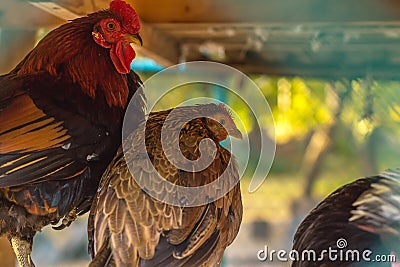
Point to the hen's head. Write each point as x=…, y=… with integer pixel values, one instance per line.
x=117, y=32
x=220, y=122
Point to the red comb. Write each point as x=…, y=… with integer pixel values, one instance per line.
x=128, y=15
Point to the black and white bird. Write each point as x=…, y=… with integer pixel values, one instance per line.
x=359, y=217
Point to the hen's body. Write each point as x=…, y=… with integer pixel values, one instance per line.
x=365, y=213
x=128, y=227
x=61, y=113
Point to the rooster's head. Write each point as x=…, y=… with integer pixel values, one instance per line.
x=93, y=51
x=117, y=32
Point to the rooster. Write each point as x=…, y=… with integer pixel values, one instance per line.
x=61, y=113
x=363, y=215
x=128, y=227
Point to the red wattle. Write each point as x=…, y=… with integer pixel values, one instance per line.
x=122, y=55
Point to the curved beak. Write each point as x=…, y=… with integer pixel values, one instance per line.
x=235, y=133
x=133, y=38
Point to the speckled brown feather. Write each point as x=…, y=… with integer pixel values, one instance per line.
x=153, y=233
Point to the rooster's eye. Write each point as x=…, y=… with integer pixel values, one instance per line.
x=111, y=26
x=222, y=122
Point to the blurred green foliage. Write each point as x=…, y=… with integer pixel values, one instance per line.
x=365, y=115
x=364, y=112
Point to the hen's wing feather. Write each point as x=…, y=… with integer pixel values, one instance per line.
x=130, y=217
x=155, y=232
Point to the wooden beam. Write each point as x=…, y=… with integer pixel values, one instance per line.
x=158, y=46
x=378, y=72
x=36, y=14
x=56, y=10
x=269, y=11
x=171, y=25
x=234, y=29
x=82, y=7
x=22, y=15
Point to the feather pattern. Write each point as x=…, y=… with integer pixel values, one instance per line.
x=366, y=213
x=157, y=233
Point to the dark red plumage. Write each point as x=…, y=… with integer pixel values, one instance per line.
x=61, y=113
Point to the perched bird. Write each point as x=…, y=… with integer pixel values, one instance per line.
x=357, y=218
x=61, y=113
x=128, y=227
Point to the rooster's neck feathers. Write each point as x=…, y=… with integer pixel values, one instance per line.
x=69, y=51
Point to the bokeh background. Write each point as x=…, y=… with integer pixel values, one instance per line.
x=329, y=70
x=327, y=134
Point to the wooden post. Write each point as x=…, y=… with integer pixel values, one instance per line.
x=14, y=45
x=6, y=253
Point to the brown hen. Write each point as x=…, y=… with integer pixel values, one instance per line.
x=129, y=227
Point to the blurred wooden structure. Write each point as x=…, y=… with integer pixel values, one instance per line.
x=329, y=39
